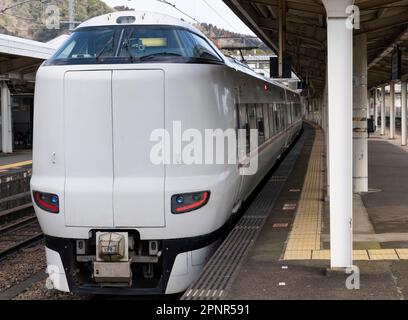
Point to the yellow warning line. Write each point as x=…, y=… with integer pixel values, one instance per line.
x=305, y=234
x=372, y=255
x=16, y=165
x=304, y=239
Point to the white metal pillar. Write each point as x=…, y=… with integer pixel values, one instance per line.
x=403, y=113
x=392, y=110
x=361, y=110
x=376, y=108
x=340, y=90
x=383, y=119
x=326, y=102
x=6, y=126
x=71, y=15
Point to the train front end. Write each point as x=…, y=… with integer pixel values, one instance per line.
x=116, y=220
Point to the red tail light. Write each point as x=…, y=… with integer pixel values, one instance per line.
x=187, y=202
x=47, y=201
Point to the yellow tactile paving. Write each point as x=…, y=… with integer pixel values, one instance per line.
x=321, y=255
x=298, y=255
x=402, y=253
x=325, y=255
x=16, y=165
x=383, y=254
x=360, y=255
x=305, y=234
x=304, y=239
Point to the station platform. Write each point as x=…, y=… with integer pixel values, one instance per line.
x=10, y=163
x=289, y=254
x=15, y=175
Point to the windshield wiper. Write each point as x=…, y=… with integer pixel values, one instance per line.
x=153, y=55
x=125, y=45
x=110, y=42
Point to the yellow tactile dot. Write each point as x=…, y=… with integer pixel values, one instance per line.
x=383, y=254
x=402, y=253
x=297, y=255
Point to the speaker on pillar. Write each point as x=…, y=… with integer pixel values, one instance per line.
x=287, y=68
x=274, y=66
x=396, y=64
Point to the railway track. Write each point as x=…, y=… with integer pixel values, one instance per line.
x=20, y=233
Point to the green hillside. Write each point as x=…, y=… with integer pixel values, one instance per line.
x=27, y=20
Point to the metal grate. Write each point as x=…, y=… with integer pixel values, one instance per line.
x=218, y=275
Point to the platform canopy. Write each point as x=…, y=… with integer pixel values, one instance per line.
x=19, y=60
x=384, y=21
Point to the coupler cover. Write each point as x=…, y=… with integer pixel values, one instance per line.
x=112, y=247
x=112, y=263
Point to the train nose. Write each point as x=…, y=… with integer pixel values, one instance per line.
x=110, y=180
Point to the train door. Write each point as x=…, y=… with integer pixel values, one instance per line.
x=138, y=110
x=88, y=148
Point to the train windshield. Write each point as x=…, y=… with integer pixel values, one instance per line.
x=135, y=44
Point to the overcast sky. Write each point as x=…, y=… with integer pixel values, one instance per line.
x=215, y=12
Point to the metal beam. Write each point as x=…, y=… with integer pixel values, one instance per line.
x=388, y=51
x=384, y=23
x=373, y=4
x=282, y=35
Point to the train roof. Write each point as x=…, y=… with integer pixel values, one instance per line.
x=141, y=18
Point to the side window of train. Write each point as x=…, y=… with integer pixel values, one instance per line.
x=290, y=112
x=280, y=117
x=276, y=116
x=271, y=120
x=260, y=123
x=252, y=116
x=284, y=116
x=266, y=121
x=251, y=110
x=243, y=123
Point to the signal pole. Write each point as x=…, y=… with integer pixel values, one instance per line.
x=71, y=15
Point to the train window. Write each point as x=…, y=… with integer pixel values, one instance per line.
x=88, y=44
x=252, y=116
x=272, y=127
x=199, y=48
x=136, y=44
x=266, y=121
x=276, y=108
x=243, y=123
x=251, y=110
x=290, y=107
x=260, y=124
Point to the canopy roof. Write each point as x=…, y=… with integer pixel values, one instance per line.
x=384, y=21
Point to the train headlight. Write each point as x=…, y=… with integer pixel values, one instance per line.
x=46, y=201
x=187, y=202
x=180, y=200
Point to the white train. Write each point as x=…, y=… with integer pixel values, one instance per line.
x=115, y=222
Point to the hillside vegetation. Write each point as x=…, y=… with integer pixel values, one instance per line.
x=27, y=20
